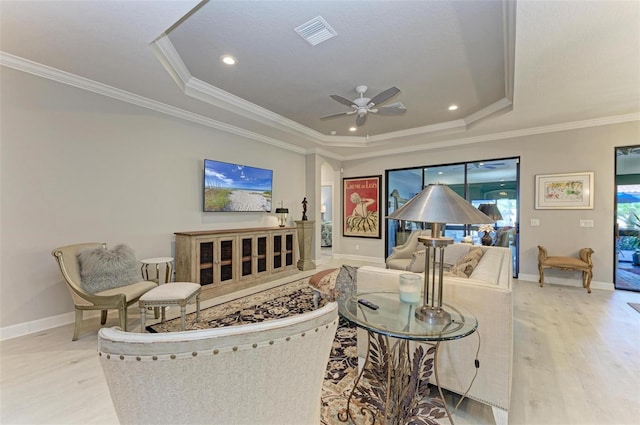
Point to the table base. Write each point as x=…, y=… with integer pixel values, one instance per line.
x=399, y=383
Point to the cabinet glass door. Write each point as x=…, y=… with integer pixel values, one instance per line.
x=206, y=263
x=246, y=256
x=288, y=250
x=261, y=254
x=226, y=260
x=277, y=252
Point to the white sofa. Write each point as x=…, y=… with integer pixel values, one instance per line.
x=487, y=293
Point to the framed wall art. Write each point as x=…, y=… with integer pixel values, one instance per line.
x=570, y=191
x=361, y=203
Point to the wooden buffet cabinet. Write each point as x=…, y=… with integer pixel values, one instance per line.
x=224, y=261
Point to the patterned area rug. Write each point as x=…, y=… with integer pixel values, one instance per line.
x=282, y=301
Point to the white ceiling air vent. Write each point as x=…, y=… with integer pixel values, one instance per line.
x=316, y=31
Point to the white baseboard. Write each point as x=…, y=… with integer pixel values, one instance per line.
x=605, y=286
x=375, y=260
x=26, y=328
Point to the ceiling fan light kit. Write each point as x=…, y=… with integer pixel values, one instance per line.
x=362, y=106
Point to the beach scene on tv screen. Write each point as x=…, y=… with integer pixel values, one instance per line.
x=234, y=187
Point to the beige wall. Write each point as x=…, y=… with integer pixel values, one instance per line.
x=80, y=167
x=588, y=149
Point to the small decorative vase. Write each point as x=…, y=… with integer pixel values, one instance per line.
x=486, y=240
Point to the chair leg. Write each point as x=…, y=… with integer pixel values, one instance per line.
x=143, y=314
x=103, y=317
x=123, y=317
x=541, y=272
x=78, y=323
x=589, y=277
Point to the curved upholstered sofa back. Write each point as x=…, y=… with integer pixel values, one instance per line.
x=269, y=373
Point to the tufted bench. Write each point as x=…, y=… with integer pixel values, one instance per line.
x=581, y=263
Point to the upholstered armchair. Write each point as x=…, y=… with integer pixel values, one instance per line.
x=261, y=373
x=410, y=255
x=117, y=298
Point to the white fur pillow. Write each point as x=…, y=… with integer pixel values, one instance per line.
x=102, y=269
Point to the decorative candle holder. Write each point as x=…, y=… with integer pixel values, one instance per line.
x=409, y=286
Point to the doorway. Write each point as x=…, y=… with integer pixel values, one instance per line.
x=326, y=219
x=627, y=224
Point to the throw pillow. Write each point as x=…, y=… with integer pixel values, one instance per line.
x=327, y=285
x=332, y=283
x=473, y=254
x=346, y=281
x=102, y=269
x=316, y=279
x=464, y=269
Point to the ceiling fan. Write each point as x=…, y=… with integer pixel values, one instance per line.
x=364, y=105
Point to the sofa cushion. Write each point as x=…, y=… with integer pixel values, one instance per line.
x=102, y=269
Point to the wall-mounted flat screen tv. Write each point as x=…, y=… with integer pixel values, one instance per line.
x=235, y=187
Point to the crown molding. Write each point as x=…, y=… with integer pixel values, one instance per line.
x=170, y=58
x=63, y=77
x=205, y=92
x=574, y=125
x=44, y=71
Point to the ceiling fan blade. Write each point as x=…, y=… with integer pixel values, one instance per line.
x=337, y=115
x=392, y=109
x=361, y=119
x=343, y=100
x=385, y=95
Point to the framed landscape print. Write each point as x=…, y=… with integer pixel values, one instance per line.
x=361, y=203
x=571, y=191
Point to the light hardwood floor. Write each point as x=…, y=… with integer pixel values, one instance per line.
x=576, y=361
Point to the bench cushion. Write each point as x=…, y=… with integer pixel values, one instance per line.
x=175, y=291
x=568, y=262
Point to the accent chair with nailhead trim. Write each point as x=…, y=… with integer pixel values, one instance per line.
x=268, y=373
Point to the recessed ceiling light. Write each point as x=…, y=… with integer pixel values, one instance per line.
x=352, y=129
x=228, y=59
x=453, y=107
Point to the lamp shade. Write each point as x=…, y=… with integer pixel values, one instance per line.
x=491, y=210
x=438, y=203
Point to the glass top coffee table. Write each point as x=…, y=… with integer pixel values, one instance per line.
x=394, y=370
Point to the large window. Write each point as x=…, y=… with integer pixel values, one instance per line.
x=481, y=182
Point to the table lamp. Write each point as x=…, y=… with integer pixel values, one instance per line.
x=282, y=215
x=491, y=211
x=437, y=204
